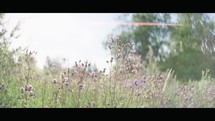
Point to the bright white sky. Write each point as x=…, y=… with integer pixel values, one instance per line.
x=73, y=36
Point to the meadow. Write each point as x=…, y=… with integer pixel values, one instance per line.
x=130, y=83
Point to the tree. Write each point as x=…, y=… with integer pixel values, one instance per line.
x=186, y=56
x=143, y=36
x=187, y=49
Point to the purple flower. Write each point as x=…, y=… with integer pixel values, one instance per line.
x=28, y=87
x=135, y=83
x=22, y=89
x=31, y=93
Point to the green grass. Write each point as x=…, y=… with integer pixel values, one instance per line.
x=129, y=84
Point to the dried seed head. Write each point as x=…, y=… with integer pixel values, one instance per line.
x=109, y=47
x=54, y=81
x=22, y=89
x=62, y=75
x=93, y=74
x=111, y=60
x=104, y=70
x=112, y=39
x=89, y=64
x=31, y=93
x=107, y=61
x=82, y=64
x=81, y=86
x=67, y=83
x=1, y=85
x=76, y=64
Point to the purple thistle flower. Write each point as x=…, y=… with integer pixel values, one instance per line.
x=135, y=83
x=31, y=93
x=22, y=89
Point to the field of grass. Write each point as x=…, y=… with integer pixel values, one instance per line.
x=130, y=83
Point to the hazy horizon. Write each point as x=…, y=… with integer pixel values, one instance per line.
x=74, y=36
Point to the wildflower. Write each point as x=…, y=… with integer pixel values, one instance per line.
x=31, y=93
x=22, y=89
x=135, y=83
x=212, y=93
x=28, y=87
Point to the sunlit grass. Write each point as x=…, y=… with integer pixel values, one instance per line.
x=129, y=84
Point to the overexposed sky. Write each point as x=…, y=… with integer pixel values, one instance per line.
x=73, y=36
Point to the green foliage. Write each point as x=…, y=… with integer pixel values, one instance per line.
x=186, y=56
x=187, y=49
x=143, y=36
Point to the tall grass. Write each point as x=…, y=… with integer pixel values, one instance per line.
x=130, y=83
